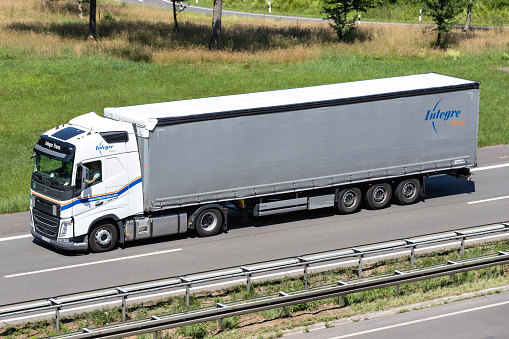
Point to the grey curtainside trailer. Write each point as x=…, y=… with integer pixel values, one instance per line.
x=305, y=145
x=159, y=169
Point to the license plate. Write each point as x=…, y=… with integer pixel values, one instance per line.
x=45, y=239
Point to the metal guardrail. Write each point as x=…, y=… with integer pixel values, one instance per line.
x=283, y=299
x=56, y=304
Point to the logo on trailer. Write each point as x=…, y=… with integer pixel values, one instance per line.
x=102, y=147
x=438, y=116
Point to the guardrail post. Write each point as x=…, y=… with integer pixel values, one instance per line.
x=124, y=302
x=464, y=236
x=283, y=294
x=462, y=247
x=188, y=286
x=396, y=272
x=248, y=276
x=449, y=262
x=306, y=265
x=412, y=252
x=154, y=334
x=502, y=253
x=220, y=320
x=340, y=297
x=187, y=296
x=361, y=255
x=57, y=313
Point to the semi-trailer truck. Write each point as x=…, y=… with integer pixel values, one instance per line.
x=165, y=168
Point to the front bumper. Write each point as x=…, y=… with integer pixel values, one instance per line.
x=68, y=246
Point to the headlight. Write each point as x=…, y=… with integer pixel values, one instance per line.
x=65, y=229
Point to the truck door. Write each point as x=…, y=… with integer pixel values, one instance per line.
x=116, y=185
x=90, y=203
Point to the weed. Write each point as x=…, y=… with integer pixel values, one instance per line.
x=230, y=323
x=195, y=331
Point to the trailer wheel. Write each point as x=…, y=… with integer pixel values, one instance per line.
x=208, y=222
x=349, y=200
x=379, y=196
x=407, y=191
x=103, y=237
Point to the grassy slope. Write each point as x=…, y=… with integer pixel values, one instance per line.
x=48, y=78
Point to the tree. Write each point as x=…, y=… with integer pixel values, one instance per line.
x=442, y=12
x=215, y=39
x=178, y=6
x=469, y=12
x=80, y=9
x=92, y=35
x=337, y=13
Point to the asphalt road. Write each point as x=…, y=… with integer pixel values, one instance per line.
x=484, y=317
x=29, y=270
x=195, y=8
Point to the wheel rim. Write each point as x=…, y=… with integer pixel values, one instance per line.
x=409, y=190
x=349, y=199
x=379, y=194
x=103, y=237
x=208, y=221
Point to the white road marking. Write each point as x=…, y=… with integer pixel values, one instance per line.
x=488, y=200
x=476, y=169
x=420, y=320
x=92, y=263
x=16, y=237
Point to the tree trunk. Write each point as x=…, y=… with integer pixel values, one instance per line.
x=92, y=26
x=439, y=39
x=80, y=9
x=469, y=12
x=175, y=16
x=215, y=39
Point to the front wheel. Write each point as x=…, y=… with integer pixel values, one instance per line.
x=209, y=222
x=407, y=191
x=103, y=237
x=379, y=196
x=349, y=200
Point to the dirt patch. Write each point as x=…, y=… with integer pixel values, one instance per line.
x=503, y=69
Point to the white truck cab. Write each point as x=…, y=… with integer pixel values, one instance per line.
x=86, y=177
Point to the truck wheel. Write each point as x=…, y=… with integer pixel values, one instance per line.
x=349, y=200
x=208, y=222
x=407, y=191
x=103, y=237
x=379, y=196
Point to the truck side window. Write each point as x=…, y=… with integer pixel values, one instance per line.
x=95, y=172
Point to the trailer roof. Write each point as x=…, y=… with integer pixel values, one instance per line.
x=149, y=115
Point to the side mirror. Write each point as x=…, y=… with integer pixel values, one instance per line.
x=84, y=176
x=82, y=173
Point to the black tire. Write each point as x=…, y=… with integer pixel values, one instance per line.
x=407, y=191
x=208, y=222
x=349, y=200
x=103, y=237
x=378, y=196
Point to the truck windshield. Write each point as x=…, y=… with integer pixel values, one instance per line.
x=54, y=170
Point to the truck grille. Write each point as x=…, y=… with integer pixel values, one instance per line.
x=46, y=224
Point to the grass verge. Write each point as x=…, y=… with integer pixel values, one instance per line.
x=272, y=323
